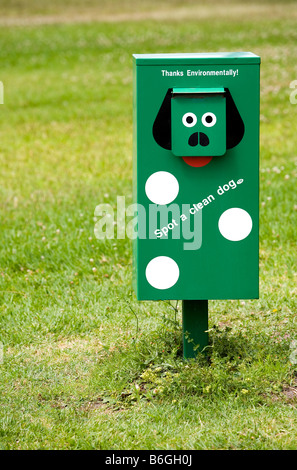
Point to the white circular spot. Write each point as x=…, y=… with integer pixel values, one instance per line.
x=161, y=187
x=209, y=119
x=235, y=224
x=189, y=119
x=162, y=272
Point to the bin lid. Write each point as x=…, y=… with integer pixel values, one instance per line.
x=201, y=58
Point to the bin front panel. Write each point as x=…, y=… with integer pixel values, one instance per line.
x=196, y=186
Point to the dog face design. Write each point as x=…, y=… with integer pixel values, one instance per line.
x=198, y=122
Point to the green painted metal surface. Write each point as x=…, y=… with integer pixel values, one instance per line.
x=179, y=91
x=195, y=326
x=198, y=208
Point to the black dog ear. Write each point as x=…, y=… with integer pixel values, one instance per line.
x=162, y=124
x=234, y=123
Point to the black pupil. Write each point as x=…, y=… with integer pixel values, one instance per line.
x=189, y=119
x=208, y=119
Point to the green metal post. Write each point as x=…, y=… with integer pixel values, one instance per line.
x=195, y=326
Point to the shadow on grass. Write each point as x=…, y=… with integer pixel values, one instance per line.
x=241, y=366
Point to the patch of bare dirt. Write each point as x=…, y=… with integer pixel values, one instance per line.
x=199, y=12
x=290, y=393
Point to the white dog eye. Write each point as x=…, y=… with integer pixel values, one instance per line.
x=208, y=119
x=189, y=119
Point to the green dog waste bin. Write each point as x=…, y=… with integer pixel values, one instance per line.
x=195, y=176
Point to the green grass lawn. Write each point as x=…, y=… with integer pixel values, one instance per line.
x=85, y=366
